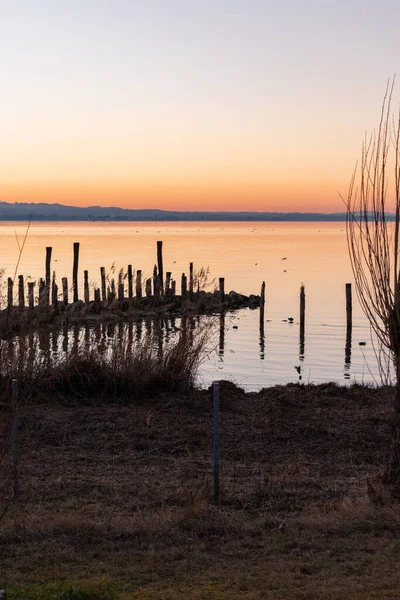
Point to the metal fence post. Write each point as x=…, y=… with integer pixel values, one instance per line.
x=14, y=438
x=216, y=439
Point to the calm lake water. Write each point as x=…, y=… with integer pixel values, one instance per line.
x=284, y=255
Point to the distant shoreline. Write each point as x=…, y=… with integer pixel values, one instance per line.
x=61, y=212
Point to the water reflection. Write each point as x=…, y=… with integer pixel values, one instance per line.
x=242, y=355
x=221, y=344
x=347, y=353
x=302, y=342
x=262, y=341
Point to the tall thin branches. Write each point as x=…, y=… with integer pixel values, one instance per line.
x=373, y=229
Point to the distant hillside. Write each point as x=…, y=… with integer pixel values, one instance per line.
x=60, y=212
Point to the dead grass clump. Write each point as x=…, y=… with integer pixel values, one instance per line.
x=123, y=369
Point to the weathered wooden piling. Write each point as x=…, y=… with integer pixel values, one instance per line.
x=86, y=286
x=10, y=286
x=75, y=272
x=97, y=296
x=54, y=291
x=49, y=250
x=173, y=287
x=262, y=304
x=160, y=264
x=139, y=284
x=31, y=295
x=103, y=284
x=42, y=295
x=54, y=295
x=148, y=288
x=183, y=286
x=155, y=274
x=157, y=289
x=349, y=306
x=130, y=283
x=302, y=309
x=121, y=292
x=222, y=288
x=191, y=282
x=167, y=282
x=21, y=294
x=65, y=290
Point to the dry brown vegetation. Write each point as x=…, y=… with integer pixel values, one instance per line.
x=118, y=494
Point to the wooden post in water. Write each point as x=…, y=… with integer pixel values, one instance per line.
x=103, y=284
x=42, y=295
x=49, y=250
x=173, y=288
x=154, y=279
x=75, y=272
x=215, y=388
x=97, y=297
x=21, y=295
x=121, y=292
x=157, y=289
x=65, y=290
x=31, y=295
x=184, y=286
x=302, y=310
x=54, y=299
x=349, y=306
x=139, y=284
x=86, y=286
x=160, y=264
x=191, y=282
x=262, y=305
x=10, y=285
x=54, y=290
x=148, y=288
x=222, y=288
x=130, y=283
x=167, y=282
x=14, y=438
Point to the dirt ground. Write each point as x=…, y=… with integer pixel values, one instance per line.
x=116, y=498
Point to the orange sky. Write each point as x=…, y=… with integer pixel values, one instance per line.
x=188, y=105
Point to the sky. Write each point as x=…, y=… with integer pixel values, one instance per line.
x=191, y=104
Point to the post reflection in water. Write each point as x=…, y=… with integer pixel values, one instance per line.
x=54, y=342
x=130, y=338
x=87, y=337
x=76, y=338
x=32, y=348
x=139, y=331
x=65, y=339
x=221, y=346
x=262, y=341
x=347, y=353
x=301, y=344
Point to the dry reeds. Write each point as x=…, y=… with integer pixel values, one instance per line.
x=123, y=369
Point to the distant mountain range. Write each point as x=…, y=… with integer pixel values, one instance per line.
x=21, y=211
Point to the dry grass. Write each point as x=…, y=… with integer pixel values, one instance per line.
x=122, y=492
x=124, y=368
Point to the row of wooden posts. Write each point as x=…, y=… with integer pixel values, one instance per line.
x=349, y=307
x=155, y=286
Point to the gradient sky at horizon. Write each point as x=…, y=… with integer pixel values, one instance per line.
x=189, y=104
